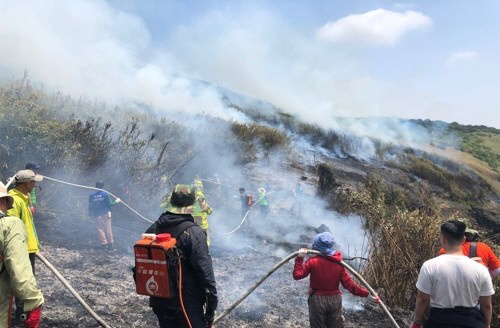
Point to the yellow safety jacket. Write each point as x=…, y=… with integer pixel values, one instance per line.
x=21, y=210
x=201, y=210
x=17, y=276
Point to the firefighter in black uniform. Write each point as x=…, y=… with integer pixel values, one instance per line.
x=199, y=292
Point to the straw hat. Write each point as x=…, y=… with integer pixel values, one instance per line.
x=3, y=193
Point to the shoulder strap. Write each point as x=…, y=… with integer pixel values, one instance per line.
x=473, y=249
x=177, y=231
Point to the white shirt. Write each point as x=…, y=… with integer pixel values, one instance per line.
x=454, y=280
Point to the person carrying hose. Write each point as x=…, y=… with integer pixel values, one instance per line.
x=16, y=275
x=325, y=298
x=100, y=203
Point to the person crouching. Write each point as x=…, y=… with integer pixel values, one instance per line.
x=325, y=298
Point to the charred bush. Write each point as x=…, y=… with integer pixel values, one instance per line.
x=327, y=182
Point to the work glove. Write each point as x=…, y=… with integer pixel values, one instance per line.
x=118, y=200
x=416, y=325
x=209, y=320
x=302, y=252
x=375, y=298
x=211, y=305
x=33, y=319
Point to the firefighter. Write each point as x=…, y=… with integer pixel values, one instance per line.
x=199, y=291
x=16, y=275
x=201, y=209
x=325, y=297
x=25, y=183
x=100, y=203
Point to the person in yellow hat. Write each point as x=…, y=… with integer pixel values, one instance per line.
x=16, y=275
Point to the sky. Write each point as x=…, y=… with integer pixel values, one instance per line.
x=321, y=59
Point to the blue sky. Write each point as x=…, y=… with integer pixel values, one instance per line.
x=317, y=59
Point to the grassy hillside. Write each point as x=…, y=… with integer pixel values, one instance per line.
x=402, y=194
x=480, y=141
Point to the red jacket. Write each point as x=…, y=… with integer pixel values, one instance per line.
x=326, y=274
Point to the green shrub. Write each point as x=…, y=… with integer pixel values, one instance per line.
x=267, y=137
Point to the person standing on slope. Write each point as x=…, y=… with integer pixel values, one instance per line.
x=100, y=203
x=325, y=297
x=16, y=275
x=453, y=284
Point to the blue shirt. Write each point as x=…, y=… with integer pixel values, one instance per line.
x=99, y=204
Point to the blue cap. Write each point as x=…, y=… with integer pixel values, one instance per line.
x=324, y=243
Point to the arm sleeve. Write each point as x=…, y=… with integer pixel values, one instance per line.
x=487, y=285
x=201, y=262
x=424, y=283
x=301, y=271
x=18, y=266
x=350, y=285
x=493, y=262
x=112, y=201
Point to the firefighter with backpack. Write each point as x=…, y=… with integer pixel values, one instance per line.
x=190, y=274
x=478, y=251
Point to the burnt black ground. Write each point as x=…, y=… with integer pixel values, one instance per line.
x=105, y=281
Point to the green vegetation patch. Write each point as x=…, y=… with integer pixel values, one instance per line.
x=268, y=137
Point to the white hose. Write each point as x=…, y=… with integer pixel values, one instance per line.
x=285, y=260
x=242, y=221
x=99, y=189
x=66, y=284
x=10, y=182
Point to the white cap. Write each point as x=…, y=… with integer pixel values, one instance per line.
x=27, y=176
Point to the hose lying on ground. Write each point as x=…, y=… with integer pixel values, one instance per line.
x=281, y=263
x=101, y=322
x=99, y=189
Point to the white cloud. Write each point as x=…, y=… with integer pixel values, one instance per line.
x=459, y=58
x=376, y=27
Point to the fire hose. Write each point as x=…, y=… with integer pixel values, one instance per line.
x=285, y=260
x=99, y=189
x=242, y=221
x=101, y=322
x=235, y=304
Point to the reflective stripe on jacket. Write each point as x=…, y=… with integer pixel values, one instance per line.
x=17, y=278
x=21, y=210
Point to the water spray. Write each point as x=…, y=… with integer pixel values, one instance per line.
x=285, y=260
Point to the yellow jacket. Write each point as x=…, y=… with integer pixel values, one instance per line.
x=17, y=277
x=21, y=210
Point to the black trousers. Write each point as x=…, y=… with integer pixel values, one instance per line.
x=174, y=318
x=458, y=317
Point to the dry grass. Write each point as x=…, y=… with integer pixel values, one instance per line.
x=482, y=168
